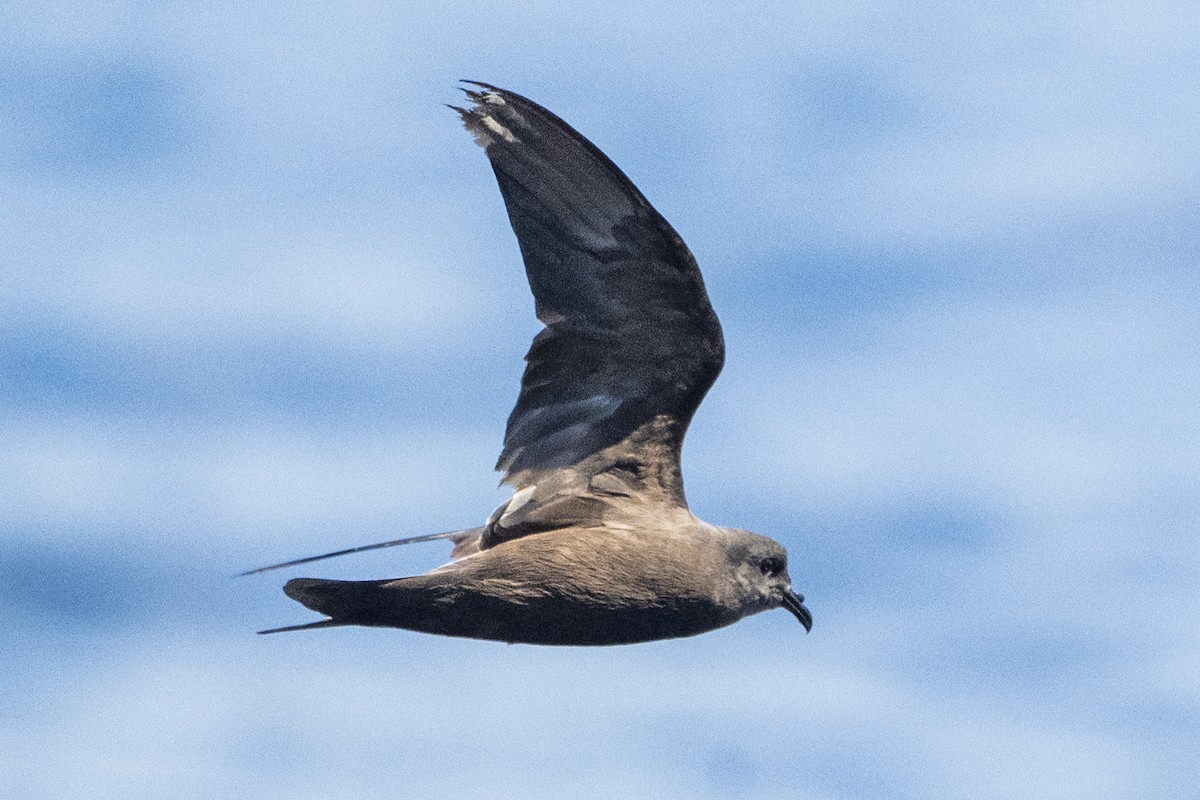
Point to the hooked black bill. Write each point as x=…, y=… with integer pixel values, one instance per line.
x=795, y=603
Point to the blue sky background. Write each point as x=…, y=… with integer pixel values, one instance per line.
x=259, y=299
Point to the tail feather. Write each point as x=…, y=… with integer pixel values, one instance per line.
x=347, y=601
x=344, y=602
x=324, y=623
x=465, y=541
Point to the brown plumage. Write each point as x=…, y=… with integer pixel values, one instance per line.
x=596, y=545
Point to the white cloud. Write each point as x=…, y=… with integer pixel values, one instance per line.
x=247, y=485
x=210, y=713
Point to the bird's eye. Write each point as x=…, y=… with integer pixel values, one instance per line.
x=771, y=566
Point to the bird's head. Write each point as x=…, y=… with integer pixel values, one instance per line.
x=760, y=575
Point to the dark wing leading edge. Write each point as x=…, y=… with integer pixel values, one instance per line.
x=631, y=343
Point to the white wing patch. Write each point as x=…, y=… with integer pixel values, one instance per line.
x=498, y=129
x=482, y=125
x=518, y=501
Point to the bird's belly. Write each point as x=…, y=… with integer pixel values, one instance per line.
x=554, y=619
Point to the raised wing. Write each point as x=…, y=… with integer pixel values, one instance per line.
x=631, y=343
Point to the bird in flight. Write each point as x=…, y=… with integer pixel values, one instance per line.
x=596, y=546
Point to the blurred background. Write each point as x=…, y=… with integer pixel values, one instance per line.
x=259, y=299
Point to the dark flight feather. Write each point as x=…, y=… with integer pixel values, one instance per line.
x=631, y=343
